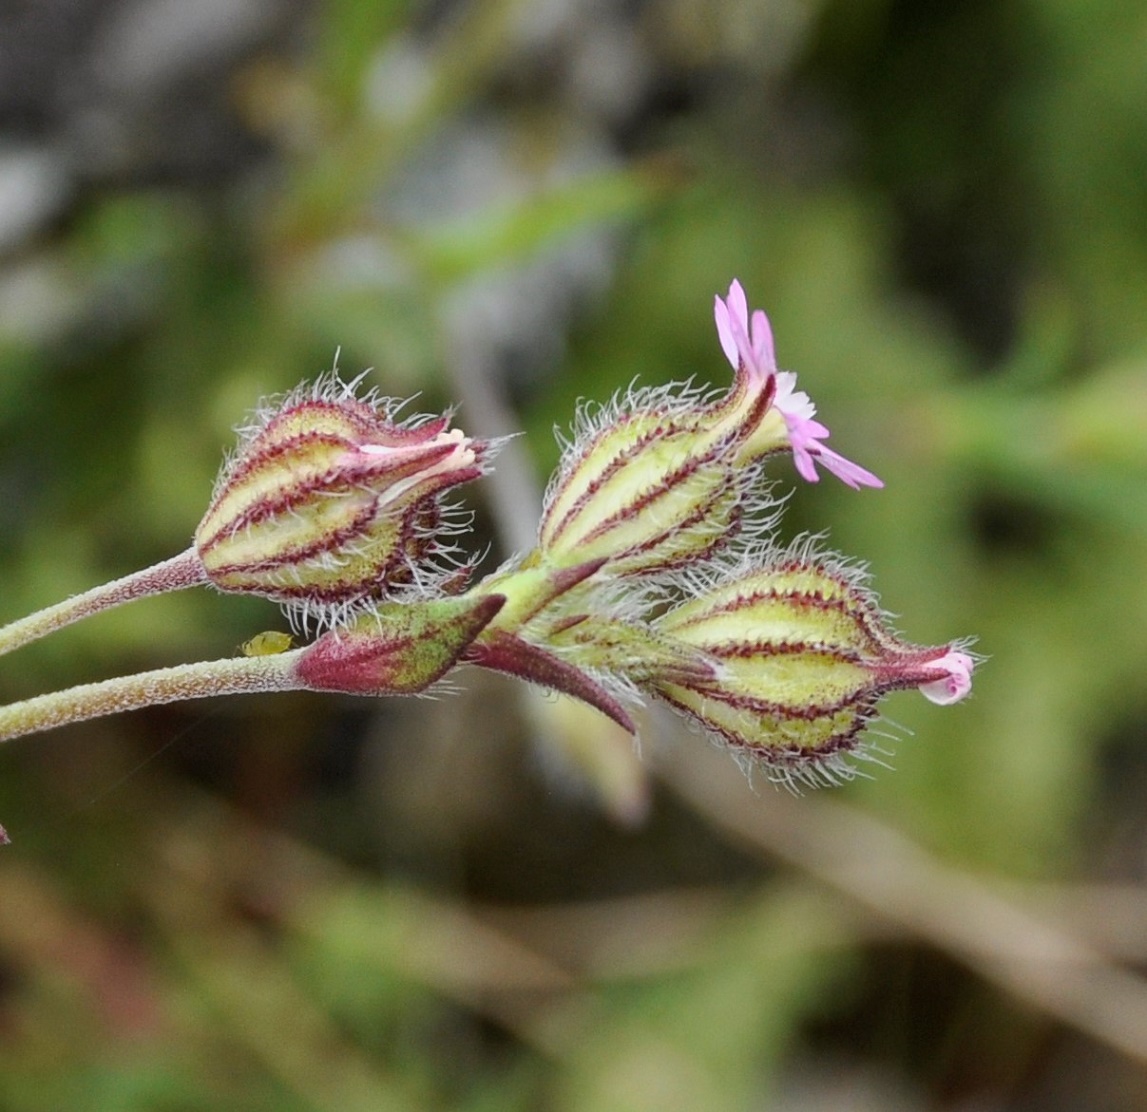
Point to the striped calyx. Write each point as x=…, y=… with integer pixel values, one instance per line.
x=329, y=501
x=651, y=482
x=802, y=656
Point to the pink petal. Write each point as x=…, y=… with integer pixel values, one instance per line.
x=955, y=685
x=804, y=464
x=725, y=332
x=747, y=344
x=847, y=471
x=738, y=304
x=738, y=329
x=762, y=340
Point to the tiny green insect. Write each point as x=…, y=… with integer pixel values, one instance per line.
x=270, y=643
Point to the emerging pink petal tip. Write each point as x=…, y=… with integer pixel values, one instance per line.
x=956, y=684
x=746, y=341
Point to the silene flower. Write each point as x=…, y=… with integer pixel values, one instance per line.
x=331, y=500
x=802, y=655
x=664, y=478
x=657, y=572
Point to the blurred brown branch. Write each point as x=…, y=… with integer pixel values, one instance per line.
x=1019, y=944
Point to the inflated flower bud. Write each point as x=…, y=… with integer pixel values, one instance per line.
x=329, y=501
x=803, y=654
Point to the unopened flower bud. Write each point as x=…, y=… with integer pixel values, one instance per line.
x=803, y=654
x=329, y=500
x=396, y=649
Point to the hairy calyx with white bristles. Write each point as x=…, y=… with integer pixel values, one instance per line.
x=330, y=502
x=656, y=572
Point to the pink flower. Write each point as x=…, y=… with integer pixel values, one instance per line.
x=748, y=345
x=955, y=685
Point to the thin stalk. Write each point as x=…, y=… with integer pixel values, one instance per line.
x=239, y=675
x=184, y=570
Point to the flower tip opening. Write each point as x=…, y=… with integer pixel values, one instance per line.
x=333, y=502
x=954, y=686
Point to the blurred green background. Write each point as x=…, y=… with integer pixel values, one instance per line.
x=483, y=902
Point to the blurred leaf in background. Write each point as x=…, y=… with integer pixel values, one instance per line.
x=301, y=902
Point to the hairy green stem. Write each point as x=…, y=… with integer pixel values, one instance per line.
x=238, y=675
x=184, y=570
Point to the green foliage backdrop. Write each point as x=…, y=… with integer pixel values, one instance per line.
x=305, y=902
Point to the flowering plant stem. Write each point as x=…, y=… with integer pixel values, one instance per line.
x=230, y=676
x=184, y=570
x=656, y=570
